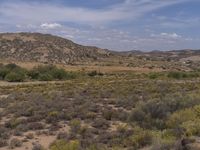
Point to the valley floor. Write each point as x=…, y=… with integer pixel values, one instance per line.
x=119, y=111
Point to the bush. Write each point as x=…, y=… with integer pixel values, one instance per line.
x=75, y=125
x=49, y=72
x=35, y=126
x=3, y=143
x=59, y=73
x=13, y=123
x=180, y=75
x=15, y=143
x=37, y=147
x=137, y=115
x=34, y=74
x=175, y=75
x=45, y=77
x=187, y=121
x=142, y=139
x=12, y=73
x=63, y=145
x=177, y=118
x=3, y=72
x=15, y=77
x=4, y=133
x=154, y=75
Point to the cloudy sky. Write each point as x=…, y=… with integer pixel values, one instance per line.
x=113, y=24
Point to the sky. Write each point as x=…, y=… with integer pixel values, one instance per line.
x=119, y=25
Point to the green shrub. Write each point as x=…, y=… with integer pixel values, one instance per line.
x=12, y=73
x=137, y=115
x=63, y=145
x=13, y=123
x=142, y=139
x=75, y=125
x=49, y=72
x=3, y=72
x=188, y=121
x=191, y=128
x=154, y=75
x=177, y=118
x=180, y=75
x=45, y=77
x=59, y=73
x=175, y=75
x=15, y=77
x=34, y=74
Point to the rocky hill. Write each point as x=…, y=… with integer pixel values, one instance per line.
x=49, y=49
x=46, y=48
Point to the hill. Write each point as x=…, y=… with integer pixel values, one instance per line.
x=46, y=48
x=30, y=49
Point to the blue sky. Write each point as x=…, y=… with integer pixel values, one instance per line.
x=113, y=24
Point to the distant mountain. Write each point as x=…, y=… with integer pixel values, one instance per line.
x=172, y=54
x=46, y=48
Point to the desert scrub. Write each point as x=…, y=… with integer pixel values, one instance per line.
x=64, y=145
x=52, y=116
x=75, y=125
x=103, y=104
x=141, y=138
x=15, y=143
x=189, y=125
x=3, y=142
x=13, y=123
x=4, y=133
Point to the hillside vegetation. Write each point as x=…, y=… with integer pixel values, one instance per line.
x=45, y=48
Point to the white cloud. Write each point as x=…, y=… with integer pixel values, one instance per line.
x=50, y=25
x=45, y=18
x=37, y=12
x=171, y=35
x=166, y=35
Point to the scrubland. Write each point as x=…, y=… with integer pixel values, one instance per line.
x=102, y=111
